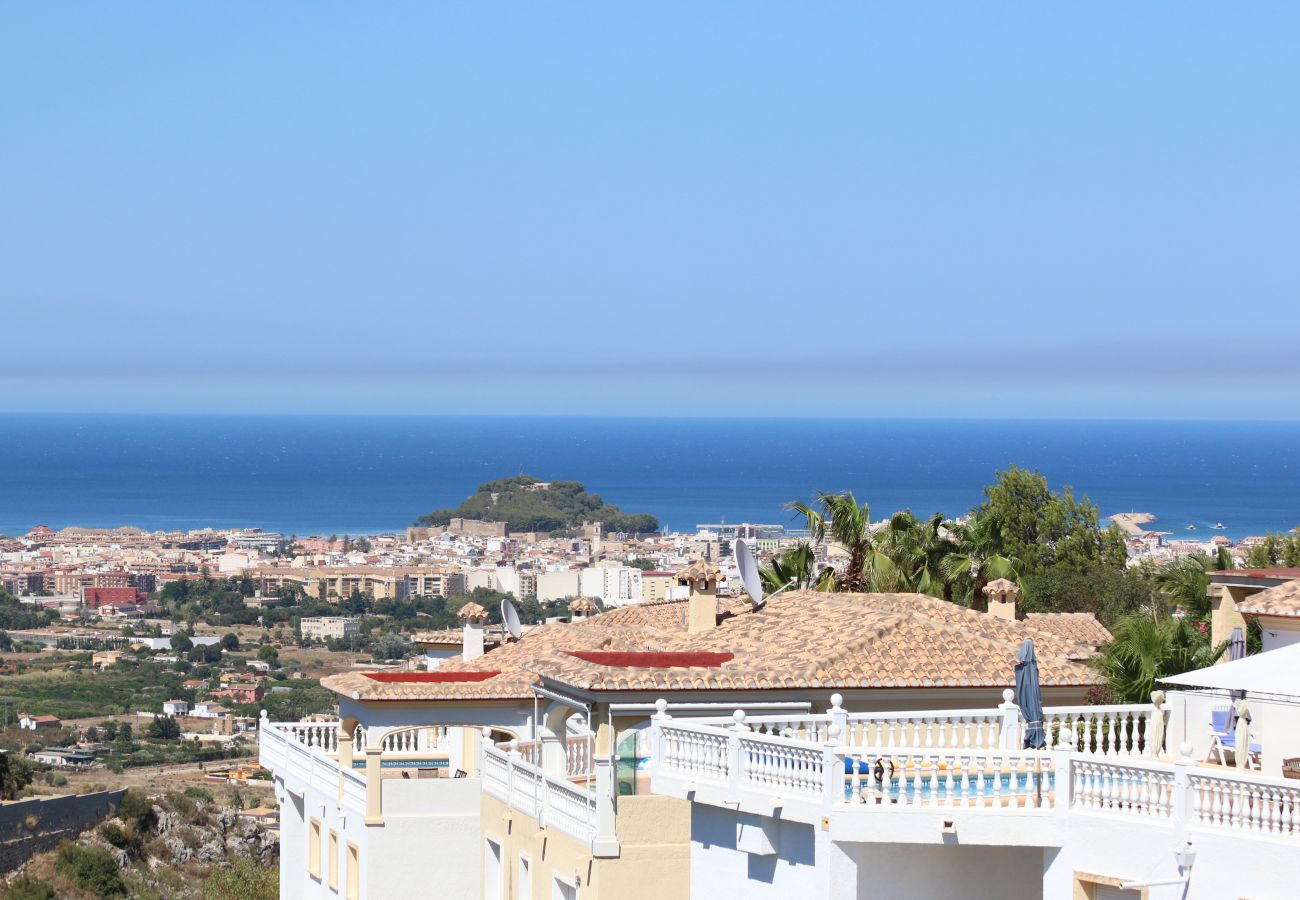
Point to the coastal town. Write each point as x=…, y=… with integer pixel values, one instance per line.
x=205, y=661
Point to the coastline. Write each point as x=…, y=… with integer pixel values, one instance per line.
x=1131, y=523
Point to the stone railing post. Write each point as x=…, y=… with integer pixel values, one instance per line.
x=513, y=756
x=734, y=754
x=1182, y=786
x=1010, y=735
x=833, y=766
x=838, y=715
x=1063, y=762
x=374, y=786
x=605, y=842
x=656, y=734
x=345, y=757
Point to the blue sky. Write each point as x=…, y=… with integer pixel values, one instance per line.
x=860, y=209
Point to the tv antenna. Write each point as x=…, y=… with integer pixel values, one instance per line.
x=510, y=616
x=749, y=577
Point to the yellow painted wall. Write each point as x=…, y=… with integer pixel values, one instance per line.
x=654, y=861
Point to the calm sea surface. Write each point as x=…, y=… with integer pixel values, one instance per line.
x=321, y=474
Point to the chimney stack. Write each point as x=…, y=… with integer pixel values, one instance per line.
x=702, y=608
x=1001, y=596
x=472, y=643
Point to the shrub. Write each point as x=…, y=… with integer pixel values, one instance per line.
x=136, y=809
x=91, y=869
x=243, y=880
x=114, y=834
x=25, y=887
x=199, y=793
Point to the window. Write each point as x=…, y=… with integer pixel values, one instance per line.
x=313, y=849
x=564, y=890
x=492, y=871
x=1104, y=887
x=354, y=872
x=524, y=883
x=334, y=860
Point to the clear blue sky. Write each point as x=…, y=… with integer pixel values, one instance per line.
x=869, y=209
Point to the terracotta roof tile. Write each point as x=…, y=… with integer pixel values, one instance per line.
x=1281, y=600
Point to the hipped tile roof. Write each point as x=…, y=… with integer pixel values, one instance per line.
x=802, y=639
x=1282, y=600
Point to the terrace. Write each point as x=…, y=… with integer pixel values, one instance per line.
x=891, y=777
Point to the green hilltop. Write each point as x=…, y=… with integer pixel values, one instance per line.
x=526, y=504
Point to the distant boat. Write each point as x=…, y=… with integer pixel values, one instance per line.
x=1191, y=527
x=1220, y=526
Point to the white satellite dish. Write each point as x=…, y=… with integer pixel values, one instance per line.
x=510, y=616
x=749, y=577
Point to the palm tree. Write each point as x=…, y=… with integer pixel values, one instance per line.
x=797, y=564
x=1184, y=584
x=848, y=525
x=1149, y=647
x=916, y=549
x=979, y=558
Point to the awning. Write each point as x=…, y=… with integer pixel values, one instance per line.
x=1275, y=672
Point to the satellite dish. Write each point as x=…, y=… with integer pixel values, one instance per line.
x=510, y=616
x=749, y=577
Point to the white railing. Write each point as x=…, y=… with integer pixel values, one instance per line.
x=568, y=808
x=952, y=779
x=579, y=753
x=324, y=735
x=1144, y=789
x=1111, y=731
x=524, y=787
x=731, y=765
x=968, y=728
x=1245, y=803
x=407, y=739
x=1107, y=731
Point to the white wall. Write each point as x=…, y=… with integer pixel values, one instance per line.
x=1226, y=866
x=940, y=872
x=719, y=869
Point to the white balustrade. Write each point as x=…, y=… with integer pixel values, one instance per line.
x=1144, y=789
x=525, y=787
x=1012, y=780
x=780, y=765
x=1244, y=803
x=959, y=728
x=1107, y=731
x=695, y=751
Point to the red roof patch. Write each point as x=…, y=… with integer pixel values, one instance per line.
x=428, y=677
x=652, y=659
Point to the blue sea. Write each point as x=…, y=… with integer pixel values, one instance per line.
x=363, y=474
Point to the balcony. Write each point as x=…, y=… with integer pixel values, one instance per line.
x=576, y=799
x=889, y=777
x=317, y=755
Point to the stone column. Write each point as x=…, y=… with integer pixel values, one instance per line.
x=374, y=786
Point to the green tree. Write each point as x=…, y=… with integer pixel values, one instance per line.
x=230, y=641
x=796, y=567
x=181, y=643
x=1184, y=584
x=916, y=550
x=979, y=556
x=15, y=774
x=1149, y=647
x=1043, y=529
x=846, y=523
x=164, y=728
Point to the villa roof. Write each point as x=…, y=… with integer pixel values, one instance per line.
x=583, y=607
x=1281, y=600
x=802, y=639
x=1078, y=627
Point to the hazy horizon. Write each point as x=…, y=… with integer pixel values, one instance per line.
x=940, y=211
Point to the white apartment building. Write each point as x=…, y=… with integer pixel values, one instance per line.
x=320, y=628
x=613, y=585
